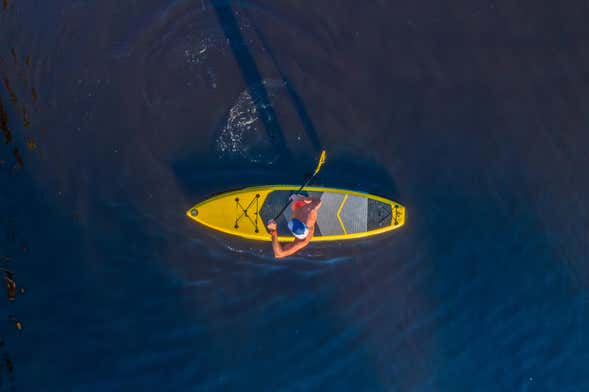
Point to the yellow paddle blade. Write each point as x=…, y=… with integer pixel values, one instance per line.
x=321, y=161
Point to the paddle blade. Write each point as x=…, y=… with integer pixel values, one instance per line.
x=321, y=161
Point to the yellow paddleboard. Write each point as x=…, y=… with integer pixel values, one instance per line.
x=343, y=214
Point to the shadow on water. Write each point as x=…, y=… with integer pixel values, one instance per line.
x=252, y=77
x=200, y=178
x=350, y=170
x=296, y=99
x=360, y=173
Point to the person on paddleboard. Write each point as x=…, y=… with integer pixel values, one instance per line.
x=301, y=225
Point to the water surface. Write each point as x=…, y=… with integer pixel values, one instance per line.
x=123, y=114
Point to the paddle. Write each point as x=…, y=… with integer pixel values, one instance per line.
x=319, y=164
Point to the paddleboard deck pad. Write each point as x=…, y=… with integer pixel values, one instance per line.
x=343, y=214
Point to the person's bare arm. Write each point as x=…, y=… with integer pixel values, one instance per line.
x=281, y=251
x=315, y=203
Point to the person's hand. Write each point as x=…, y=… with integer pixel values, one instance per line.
x=271, y=226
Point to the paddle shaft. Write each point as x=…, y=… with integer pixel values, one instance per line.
x=319, y=164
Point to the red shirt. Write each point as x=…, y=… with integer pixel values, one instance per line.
x=298, y=204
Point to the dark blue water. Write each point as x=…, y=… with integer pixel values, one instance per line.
x=123, y=114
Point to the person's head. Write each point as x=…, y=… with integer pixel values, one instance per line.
x=298, y=228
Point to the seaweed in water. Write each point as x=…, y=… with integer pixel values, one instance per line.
x=25, y=117
x=4, y=124
x=31, y=144
x=9, y=364
x=18, y=157
x=10, y=285
x=10, y=369
x=17, y=323
x=11, y=95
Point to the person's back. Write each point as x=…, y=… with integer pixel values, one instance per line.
x=301, y=225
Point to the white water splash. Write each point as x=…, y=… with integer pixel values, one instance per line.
x=240, y=123
x=243, y=135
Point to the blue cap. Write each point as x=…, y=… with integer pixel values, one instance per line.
x=298, y=228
